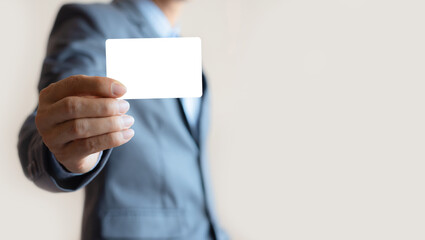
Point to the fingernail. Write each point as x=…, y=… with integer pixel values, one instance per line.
x=118, y=89
x=127, y=134
x=123, y=106
x=127, y=120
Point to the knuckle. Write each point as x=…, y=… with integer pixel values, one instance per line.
x=72, y=106
x=71, y=81
x=98, y=82
x=115, y=139
x=79, y=128
x=116, y=123
x=108, y=108
x=98, y=79
x=75, y=77
x=45, y=92
x=40, y=122
x=67, y=82
x=89, y=145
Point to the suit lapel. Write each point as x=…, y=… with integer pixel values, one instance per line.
x=130, y=8
x=204, y=117
x=202, y=111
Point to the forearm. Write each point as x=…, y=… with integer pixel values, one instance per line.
x=40, y=167
x=75, y=47
x=33, y=156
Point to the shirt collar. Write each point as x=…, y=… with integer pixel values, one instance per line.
x=156, y=20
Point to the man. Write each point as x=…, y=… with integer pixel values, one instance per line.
x=155, y=186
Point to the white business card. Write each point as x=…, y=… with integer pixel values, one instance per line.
x=156, y=67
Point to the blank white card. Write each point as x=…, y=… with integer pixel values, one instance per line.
x=156, y=67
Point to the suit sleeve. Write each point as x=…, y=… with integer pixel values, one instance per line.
x=76, y=46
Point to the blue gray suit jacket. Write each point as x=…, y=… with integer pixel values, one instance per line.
x=154, y=187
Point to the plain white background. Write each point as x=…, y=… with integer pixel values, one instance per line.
x=318, y=118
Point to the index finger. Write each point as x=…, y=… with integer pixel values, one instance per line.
x=82, y=85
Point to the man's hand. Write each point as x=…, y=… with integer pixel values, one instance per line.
x=79, y=116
